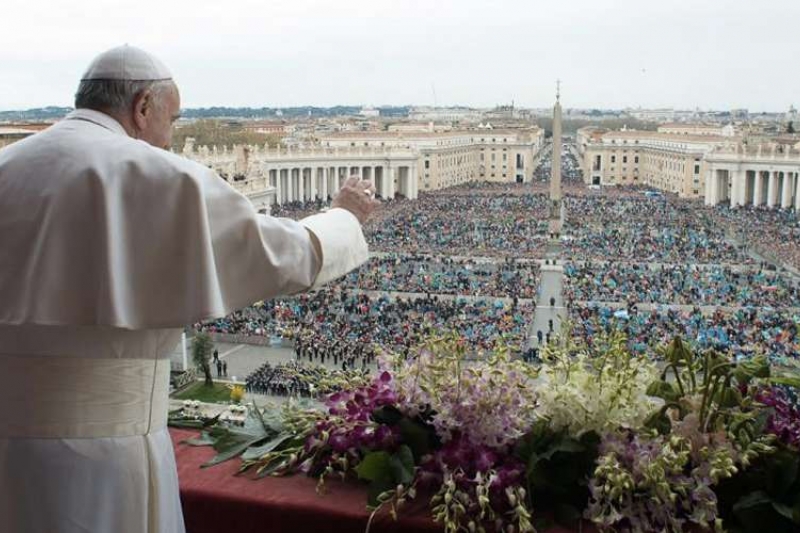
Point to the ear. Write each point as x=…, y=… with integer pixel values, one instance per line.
x=142, y=108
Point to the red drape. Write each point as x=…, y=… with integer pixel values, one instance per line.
x=216, y=501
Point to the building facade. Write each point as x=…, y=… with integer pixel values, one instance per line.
x=719, y=130
x=269, y=175
x=12, y=134
x=671, y=162
x=449, y=158
x=762, y=175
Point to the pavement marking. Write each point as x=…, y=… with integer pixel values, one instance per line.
x=233, y=350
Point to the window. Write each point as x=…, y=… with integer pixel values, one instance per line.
x=624, y=158
x=697, y=169
x=427, y=164
x=636, y=159
x=613, y=159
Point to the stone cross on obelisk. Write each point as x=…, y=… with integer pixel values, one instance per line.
x=555, y=174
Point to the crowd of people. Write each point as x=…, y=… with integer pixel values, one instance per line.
x=296, y=379
x=742, y=333
x=471, y=224
x=663, y=230
x=682, y=284
x=508, y=277
x=466, y=259
x=355, y=325
x=571, y=174
x=773, y=232
x=349, y=353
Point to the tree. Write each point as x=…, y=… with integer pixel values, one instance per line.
x=202, y=346
x=790, y=127
x=209, y=132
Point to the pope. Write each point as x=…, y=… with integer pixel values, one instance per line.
x=109, y=246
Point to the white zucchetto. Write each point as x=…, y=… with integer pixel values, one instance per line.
x=127, y=63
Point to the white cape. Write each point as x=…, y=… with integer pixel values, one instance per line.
x=108, y=247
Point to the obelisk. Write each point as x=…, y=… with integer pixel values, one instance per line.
x=555, y=167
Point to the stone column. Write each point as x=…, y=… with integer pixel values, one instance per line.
x=412, y=182
x=772, y=189
x=277, y=186
x=796, y=192
x=314, y=178
x=786, y=195
x=739, y=179
x=758, y=196
x=712, y=186
x=300, y=185
x=389, y=181
x=324, y=192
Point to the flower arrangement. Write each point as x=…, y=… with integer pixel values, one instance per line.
x=237, y=393
x=598, y=390
x=593, y=434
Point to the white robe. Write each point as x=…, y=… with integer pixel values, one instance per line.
x=109, y=246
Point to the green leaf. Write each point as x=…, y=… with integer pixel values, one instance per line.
x=565, y=445
x=590, y=440
x=783, y=510
x=230, y=447
x=402, y=465
x=388, y=415
x=203, y=440
x=536, y=439
x=186, y=424
x=754, y=511
x=375, y=465
x=659, y=421
x=728, y=397
x=375, y=489
x=567, y=515
x=791, y=381
x=254, y=452
x=782, y=469
x=753, y=499
x=271, y=467
x=757, y=367
x=417, y=436
x=664, y=390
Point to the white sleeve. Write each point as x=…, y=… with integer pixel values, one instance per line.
x=341, y=243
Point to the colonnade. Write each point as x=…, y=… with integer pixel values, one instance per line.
x=302, y=183
x=754, y=187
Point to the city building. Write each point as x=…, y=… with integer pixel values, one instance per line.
x=687, y=128
x=672, y=162
x=444, y=114
x=754, y=175
x=10, y=134
x=268, y=175
x=452, y=157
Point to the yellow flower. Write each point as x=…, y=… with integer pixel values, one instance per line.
x=237, y=393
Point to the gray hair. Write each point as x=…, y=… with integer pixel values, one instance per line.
x=115, y=95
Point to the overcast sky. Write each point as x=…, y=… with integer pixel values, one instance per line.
x=609, y=53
